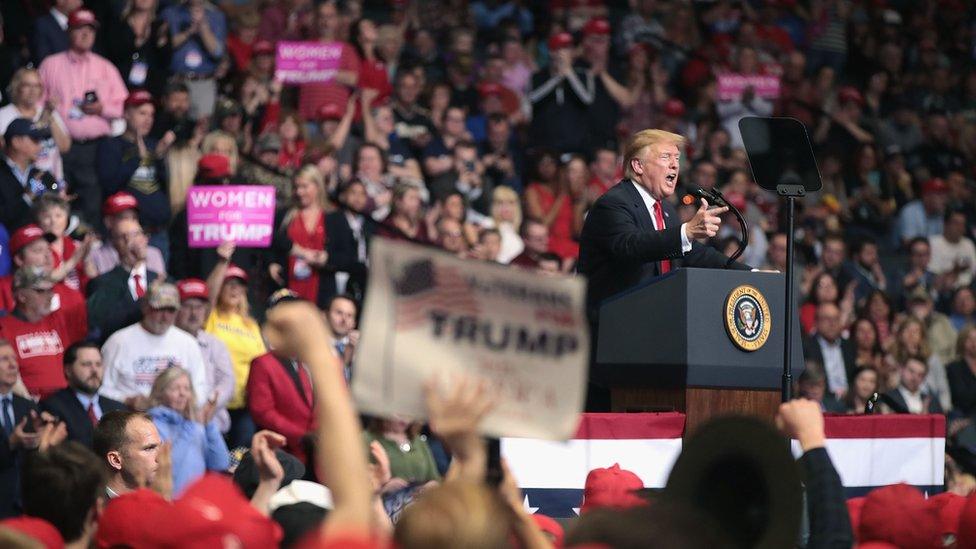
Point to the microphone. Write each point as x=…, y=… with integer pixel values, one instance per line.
x=699, y=193
x=869, y=406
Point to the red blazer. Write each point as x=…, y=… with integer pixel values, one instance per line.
x=275, y=402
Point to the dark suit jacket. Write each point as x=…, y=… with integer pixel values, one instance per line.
x=811, y=351
x=48, y=38
x=10, y=462
x=66, y=406
x=619, y=247
x=343, y=255
x=110, y=303
x=14, y=212
x=275, y=402
x=897, y=403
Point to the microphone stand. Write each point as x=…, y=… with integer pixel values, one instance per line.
x=744, y=239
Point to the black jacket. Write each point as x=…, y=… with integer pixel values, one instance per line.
x=830, y=525
x=619, y=247
x=811, y=351
x=14, y=211
x=897, y=403
x=11, y=461
x=66, y=406
x=110, y=303
x=343, y=251
x=49, y=38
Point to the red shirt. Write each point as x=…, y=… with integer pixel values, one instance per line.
x=76, y=279
x=64, y=297
x=40, y=346
x=312, y=96
x=302, y=278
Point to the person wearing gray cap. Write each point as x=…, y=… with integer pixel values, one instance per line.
x=40, y=335
x=135, y=355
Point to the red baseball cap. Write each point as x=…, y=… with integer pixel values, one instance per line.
x=597, y=25
x=233, y=271
x=849, y=94
x=26, y=235
x=488, y=89
x=935, y=185
x=129, y=520
x=611, y=487
x=262, y=47
x=854, y=506
x=966, y=536
x=37, y=529
x=191, y=288
x=82, y=18
x=899, y=514
x=330, y=111
x=560, y=41
x=674, y=107
x=211, y=509
x=551, y=527
x=949, y=506
x=118, y=203
x=213, y=166
x=137, y=98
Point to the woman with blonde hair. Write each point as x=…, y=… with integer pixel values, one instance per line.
x=300, y=238
x=230, y=321
x=506, y=211
x=221, y=142
x=26, y=93
x=197, y=445
x=910, y=341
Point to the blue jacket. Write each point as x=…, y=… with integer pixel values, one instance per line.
x=49, y=38
x=196, y=449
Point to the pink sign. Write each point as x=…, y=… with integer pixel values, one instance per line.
x=243, y=214
x=303, y=62
x=732, y=85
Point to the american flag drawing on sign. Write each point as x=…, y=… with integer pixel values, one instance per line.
x=425, y=286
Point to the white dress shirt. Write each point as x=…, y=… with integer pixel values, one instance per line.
x=85, y=400
x=140, y=270
x=833, y=363
x=649, y=202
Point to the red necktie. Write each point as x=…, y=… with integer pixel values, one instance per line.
x=140, y=287
x=659, y=221
x=91, y=414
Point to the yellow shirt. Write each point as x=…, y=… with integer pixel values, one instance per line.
x=243, y=339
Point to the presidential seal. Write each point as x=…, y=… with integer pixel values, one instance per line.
x=747, y=318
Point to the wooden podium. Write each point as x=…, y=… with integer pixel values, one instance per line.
x=666, y=345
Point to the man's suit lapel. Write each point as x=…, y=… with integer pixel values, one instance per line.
x=637, y=205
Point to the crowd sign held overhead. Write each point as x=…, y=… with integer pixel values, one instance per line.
x=429, y=315
x=243, y=214
x=731, y=86
x=305, y=62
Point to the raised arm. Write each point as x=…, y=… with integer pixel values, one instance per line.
x=341, y=458
x=216, y=278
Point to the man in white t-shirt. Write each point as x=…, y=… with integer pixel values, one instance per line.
x=135, y=355
x=953, y=253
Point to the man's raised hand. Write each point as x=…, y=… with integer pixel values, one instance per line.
x=705, y=222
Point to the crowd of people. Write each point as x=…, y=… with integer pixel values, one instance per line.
x=486, y=129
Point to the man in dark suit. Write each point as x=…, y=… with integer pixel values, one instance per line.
x=828, y=348
x=15, y=414
x=51, y=30
x=80, y=406
x=632, y=233
x=349, y=233
x=18, y=177
x=113, y=297
x=911, y=397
